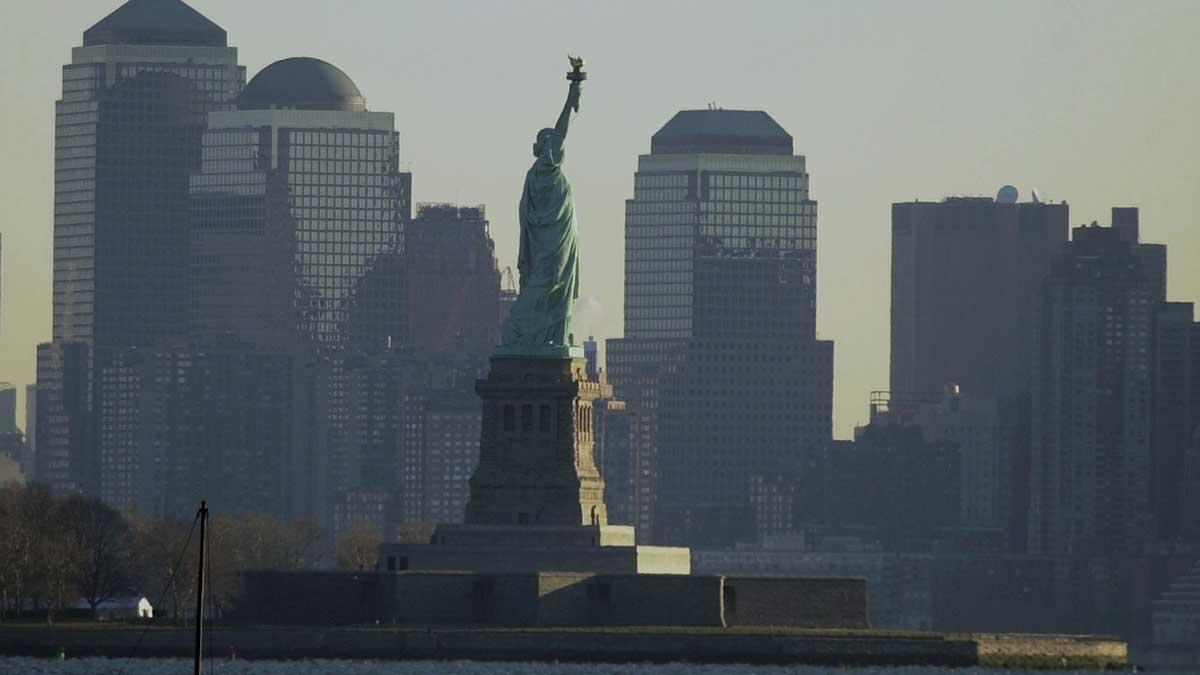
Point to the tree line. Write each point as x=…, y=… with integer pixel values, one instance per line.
x=56, y=551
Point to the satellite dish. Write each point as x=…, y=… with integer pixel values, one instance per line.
x=1037, y=196
x=1007, y=195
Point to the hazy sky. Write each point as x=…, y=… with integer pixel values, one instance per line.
x=1095, y=103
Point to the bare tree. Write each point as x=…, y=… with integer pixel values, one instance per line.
x=15, y=542
x=238, y=545
x=358, y=549
x=59, y=557
x=105, y=543
x=25, y=513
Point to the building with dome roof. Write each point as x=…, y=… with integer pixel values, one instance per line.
x=299, y=194
x=127, y=137
x=302, y=83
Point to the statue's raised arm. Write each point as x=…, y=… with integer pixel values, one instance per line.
x=571, y=106
x=576, y=76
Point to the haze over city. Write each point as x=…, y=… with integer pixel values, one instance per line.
x=1090, y=102
x=684, y=332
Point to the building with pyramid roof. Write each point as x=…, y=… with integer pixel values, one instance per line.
x=128, y=127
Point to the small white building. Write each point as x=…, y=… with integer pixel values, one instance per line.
x=121, y=608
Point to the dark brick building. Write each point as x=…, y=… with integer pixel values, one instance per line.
x=1092, y=406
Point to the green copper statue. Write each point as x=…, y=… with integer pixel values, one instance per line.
x=548, y=261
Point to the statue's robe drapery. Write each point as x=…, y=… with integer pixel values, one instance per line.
x=548, y=262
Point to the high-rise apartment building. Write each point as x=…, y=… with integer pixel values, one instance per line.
x=299, y=195
x=1176, y=420
x=1092, y=404
x=720, y=364
x=127, y=138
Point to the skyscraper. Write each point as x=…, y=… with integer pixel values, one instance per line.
x=966, y=273
x=127, y=137
x=965, y=276
x=1176, y=413
x=298, y=196
x=720, y=364
x=297, y=200
x=8, y=408
x=1091, y=467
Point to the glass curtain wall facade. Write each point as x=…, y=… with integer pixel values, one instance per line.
x=127, y=137
x=298, y=200
x=300, y=205
x=720, y=365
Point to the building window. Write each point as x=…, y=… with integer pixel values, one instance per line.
x=527, y=418
x=508, y=417
x=545, y=423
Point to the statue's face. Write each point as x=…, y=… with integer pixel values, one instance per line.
x=540, y=142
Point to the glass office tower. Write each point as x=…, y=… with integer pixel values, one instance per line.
x=298, y=197
x=127, y=137
x=720, y=364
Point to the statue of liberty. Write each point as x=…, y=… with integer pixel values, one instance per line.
x=548, y=261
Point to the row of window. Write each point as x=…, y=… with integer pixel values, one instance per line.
x=758, y=181
x=372, y=154
x=344, y=139
x=635, y=222
x=660, y=180
x=338, y=167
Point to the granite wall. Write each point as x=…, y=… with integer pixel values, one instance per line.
x=807, y=603
x=550, y=599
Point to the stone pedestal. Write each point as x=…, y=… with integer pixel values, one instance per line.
x=537, y=463
x=537, y=499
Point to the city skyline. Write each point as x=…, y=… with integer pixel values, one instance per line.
x=1077, y=105
x=278, y=291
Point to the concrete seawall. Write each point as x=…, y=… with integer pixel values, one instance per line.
x=586, y=645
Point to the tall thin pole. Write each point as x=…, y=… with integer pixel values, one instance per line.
x=200, y=587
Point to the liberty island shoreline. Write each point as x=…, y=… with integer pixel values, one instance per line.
x=587, y=645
